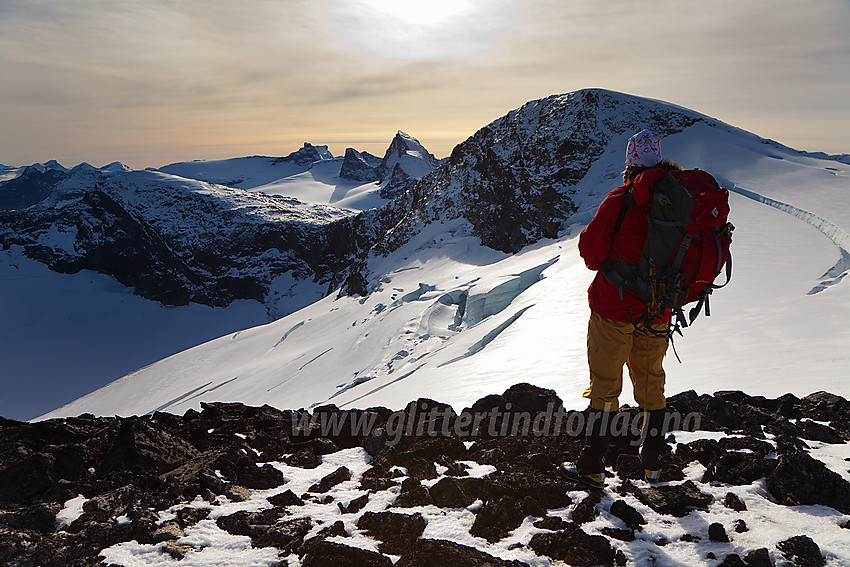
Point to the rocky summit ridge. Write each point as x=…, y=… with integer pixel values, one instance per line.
x=426, y=486
x=518, y=179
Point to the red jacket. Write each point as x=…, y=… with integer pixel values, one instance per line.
x=599, y=242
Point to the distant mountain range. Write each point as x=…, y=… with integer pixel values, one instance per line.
x=199, y=231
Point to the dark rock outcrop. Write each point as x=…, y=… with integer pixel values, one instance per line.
x=801, y=479
x=734, y=502
x=129, y=470
x=323, y=553
x=497, y=518
x=574, y=546
x=802, y=551
x=433, y=552
x=360, y=166
x=397, y=532
x=631, y=517
x=332, y=479
x=676, y=500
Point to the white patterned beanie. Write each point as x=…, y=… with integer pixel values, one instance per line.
x=644, y=149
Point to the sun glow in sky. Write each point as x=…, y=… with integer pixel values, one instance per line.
x=433, y=12
x=407, y=31
x=149, y=82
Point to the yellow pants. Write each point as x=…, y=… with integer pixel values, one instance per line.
x=610, y=345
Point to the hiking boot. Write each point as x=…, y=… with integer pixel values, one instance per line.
x=596, y=438
x=650, y=460
x=653, y=444
x=651, y=476
x=594, y=480
x=589, y=468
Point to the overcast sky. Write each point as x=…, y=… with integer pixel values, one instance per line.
x=150, y=82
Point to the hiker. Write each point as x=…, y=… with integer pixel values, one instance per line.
x=613, y=338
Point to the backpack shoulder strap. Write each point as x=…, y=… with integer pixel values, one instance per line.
x=626, y=201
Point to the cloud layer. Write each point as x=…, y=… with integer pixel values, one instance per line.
x=154, y=81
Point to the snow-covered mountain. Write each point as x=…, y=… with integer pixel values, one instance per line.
x=480, y=285
x=250, y=172
x=187, y=233
x=175, y=240
x=357, y=181
x=405, y=162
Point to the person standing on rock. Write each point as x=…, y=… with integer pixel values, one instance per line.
x=618, y=231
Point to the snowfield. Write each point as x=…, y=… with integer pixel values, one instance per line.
x=451, y=320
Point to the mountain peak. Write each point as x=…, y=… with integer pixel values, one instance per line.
x=405, y=162
x=360, y=166
x=309, y=154
x=53, y=164
x=84, y=166
x=519, y=178
x=405, y=144
x=115, y=167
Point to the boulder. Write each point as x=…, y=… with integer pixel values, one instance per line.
x=585, y=511
x=141, y=447
x=802, y=551
x=497, y=518
x=716, y=532
x=801, y=479
x=553, y=523
x=734, y=502
x=738, y=468
x=323, y=553
x=758, y=558
x=285, y=499
x=677, y=500
x=574, y=546
x=449, y=493
x=631, y=517
x=397, y=532
x=413, y=493
x=434, y=552
x=354, y=505
x=330, y=480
